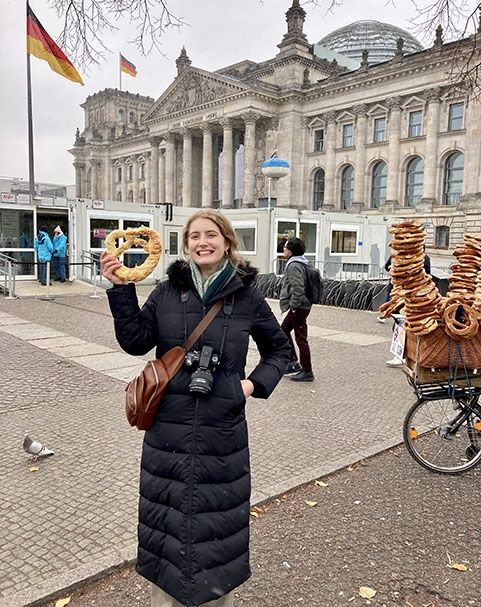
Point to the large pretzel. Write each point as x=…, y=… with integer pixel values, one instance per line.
x=152, y=246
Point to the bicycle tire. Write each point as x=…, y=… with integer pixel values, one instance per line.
x=427, y=436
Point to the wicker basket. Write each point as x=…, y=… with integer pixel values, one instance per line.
x=432, y=350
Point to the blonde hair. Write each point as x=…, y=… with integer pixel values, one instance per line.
x=225, y=228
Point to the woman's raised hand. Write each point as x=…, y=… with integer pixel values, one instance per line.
x=108, y=265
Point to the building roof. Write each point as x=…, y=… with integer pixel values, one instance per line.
x=380, y=39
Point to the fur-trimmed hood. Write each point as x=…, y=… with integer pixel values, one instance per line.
x=180, y=276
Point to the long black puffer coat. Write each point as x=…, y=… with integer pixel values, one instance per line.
x=195, y=474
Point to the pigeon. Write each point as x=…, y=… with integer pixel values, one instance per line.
x=35, y=449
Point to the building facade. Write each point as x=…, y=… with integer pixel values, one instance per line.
x=394, y=138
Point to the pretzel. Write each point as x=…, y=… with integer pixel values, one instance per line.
x=466, y=327
x=152, y=246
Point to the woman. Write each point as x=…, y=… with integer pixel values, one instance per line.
x=195, y=474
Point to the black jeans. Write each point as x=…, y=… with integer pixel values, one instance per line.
x=296, y=321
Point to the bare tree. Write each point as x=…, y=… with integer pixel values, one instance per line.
x=86, y=22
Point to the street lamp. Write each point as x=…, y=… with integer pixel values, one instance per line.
x=274, y=168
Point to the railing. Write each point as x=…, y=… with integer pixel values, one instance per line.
x=91, y=260
x=8, y=271
x=339, y=270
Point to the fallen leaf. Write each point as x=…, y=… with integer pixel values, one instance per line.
x=321, y=484
x=366, y=592
x=256, y=514
x=311, y=504
x=458, y=566
x=62, y=602
x=34, y=469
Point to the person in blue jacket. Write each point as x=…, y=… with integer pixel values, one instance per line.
x=44, y=248
x=59, y=253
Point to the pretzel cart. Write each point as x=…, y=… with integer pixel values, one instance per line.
x=442, y=351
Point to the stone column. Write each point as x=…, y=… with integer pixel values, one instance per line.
x=147, y=180
x=250, y=119
x=124, y=180
x=135, y=180
x=330, y=176
x=431, y=155
x=359, y=201
x=154, y=169
x=169, y=168
x=228, y=164
x=393, y=196
x=107, y=195
x=78, y=179
x=207, y=164
x=187, y=168
x=162, y=175
x=94, y=178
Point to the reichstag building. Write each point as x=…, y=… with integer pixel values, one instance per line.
x=368, y=119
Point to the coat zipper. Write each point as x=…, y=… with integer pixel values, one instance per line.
x=189, y=504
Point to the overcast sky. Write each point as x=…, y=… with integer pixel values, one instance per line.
x=220, y=32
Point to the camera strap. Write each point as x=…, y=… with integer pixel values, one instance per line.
x=202, y=326
x=228, y=308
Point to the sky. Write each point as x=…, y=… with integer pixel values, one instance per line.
x=218, y=33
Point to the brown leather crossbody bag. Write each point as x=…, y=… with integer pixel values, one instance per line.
x=144, y=393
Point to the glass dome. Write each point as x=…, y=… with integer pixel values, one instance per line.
x=380, y=39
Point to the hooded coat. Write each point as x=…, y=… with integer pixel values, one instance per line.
x=195, y=474
x=43, y=245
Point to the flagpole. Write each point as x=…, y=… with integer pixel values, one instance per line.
x=120, y=72
x=31, y=176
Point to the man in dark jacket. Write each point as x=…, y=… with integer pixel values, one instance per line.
x=294, y=301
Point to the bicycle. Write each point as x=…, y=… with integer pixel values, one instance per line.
x=442, y=429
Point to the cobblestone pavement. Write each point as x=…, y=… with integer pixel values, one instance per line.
x=63, y=381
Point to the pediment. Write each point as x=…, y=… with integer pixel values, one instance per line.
x=377, y=109
x=345, y=116
x=313, y=122
x=193, y=88
x=414, y=101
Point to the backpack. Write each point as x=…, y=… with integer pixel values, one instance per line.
x=314, y=286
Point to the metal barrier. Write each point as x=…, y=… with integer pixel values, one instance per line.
x=8, y=270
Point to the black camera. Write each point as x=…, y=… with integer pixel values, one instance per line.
x=202, y=378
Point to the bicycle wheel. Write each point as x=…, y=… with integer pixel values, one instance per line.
x=443, y=435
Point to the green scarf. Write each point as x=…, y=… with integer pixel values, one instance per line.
x=208, y=287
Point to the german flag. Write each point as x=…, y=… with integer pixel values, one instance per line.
x=127, y=67
x=40, y=45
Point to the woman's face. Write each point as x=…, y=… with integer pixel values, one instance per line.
x=206, y=245
x=287, y=253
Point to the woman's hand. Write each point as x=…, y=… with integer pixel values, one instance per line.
x=247, y=387
x=108, y=265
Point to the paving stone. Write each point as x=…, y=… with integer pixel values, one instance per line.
x=127, y=373
x=77, y=350
x=12, y=320
x=56, y=342
x=31, y=331
x=103, y=362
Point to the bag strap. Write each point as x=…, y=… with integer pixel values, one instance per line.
x=202, y=326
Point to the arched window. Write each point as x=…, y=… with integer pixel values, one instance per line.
x=130, y=196
x=131, y=118
x=453, y=178
x=347, y=186
x=414, y=181
x=318, y=190
x=121, y=115
x=119, y=196
x=142, y=195
x=378, y=184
